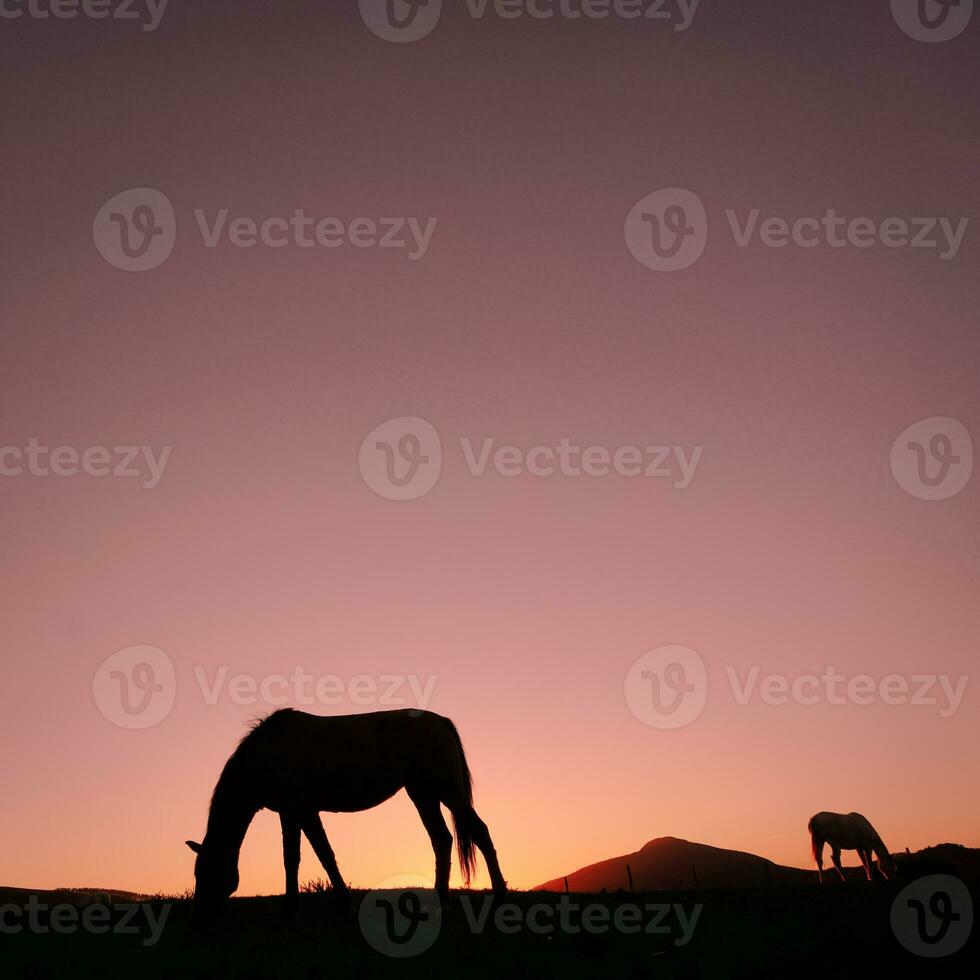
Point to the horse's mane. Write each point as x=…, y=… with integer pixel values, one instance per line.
x=257, y=729
x=262, y=724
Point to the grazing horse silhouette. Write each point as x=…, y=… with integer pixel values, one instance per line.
x=298, y=764
x=852, y=832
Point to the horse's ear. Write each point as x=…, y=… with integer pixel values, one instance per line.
x=194, y=846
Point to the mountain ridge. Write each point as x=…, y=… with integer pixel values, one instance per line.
x=669, y=863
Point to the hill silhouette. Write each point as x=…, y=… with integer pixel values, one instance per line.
x=671, y=863
x=950, y=859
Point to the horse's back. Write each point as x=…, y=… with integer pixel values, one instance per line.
x=860, y=821
x=351, y=762
x=364, y=739
x=828, y=821
x=291, y=723
x=848, y=830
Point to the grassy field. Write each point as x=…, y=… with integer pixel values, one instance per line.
x=791, y=931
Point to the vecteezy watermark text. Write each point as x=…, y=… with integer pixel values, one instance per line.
x=941, y=235
x=403, y=21
x=667, y=687
x=833, y=687
x=568, y=459
x=66, y=919
x=680, y=13
x=401, y=917
x=149, y=11
x=571, y=917
x=668, y=231
x=306, y=689
x=136, y=688
x=402, y=459
x=303, y=231
x=123, y=462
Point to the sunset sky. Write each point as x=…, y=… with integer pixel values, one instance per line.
x=527, y=320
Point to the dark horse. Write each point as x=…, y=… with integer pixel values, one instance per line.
x=298, y=764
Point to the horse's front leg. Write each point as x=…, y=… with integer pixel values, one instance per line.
x=290, y=859
x=835, y=857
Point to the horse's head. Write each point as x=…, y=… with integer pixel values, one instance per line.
x=887, y=866
x=216, y=878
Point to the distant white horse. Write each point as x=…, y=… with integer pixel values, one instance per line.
x=849, y=832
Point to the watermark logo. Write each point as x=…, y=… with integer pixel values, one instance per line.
x=667, y=230
x=401, y=459
x=149, y=11
x=932, y=21
x=667, y=687
x=933, y=458
x=401, y=21
x=136, y=230
x=401, y=916
x=136, y=687
x=933, y=916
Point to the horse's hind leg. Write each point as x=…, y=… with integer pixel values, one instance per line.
x=481, y=837
x=818, y=857
x=439, y=835
x=290, y=860
x=316, y=835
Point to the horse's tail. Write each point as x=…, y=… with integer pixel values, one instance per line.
x=462, y=813
x=816, y=841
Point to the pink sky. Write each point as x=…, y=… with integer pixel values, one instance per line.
x=263, y=550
